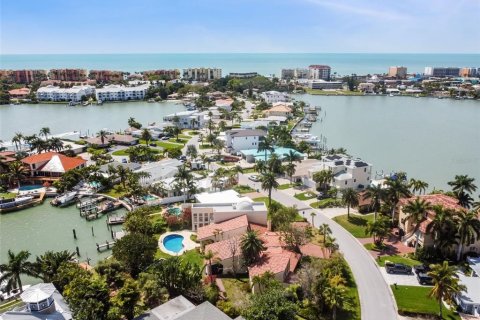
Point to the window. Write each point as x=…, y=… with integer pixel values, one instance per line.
x=354, y=180
x=365, y=170
x=345, y=182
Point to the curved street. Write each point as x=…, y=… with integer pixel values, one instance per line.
x=376, y=300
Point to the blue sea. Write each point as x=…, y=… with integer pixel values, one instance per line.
x=263, y=63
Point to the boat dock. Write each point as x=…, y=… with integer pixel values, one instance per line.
x=105, y=246
x=113, y=220
x=34, y=202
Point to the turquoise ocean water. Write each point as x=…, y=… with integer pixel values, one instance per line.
x=264, y=63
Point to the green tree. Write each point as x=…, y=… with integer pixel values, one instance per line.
x=47, y=265
x=251, y=246
x=468, y=229
x=45, y=131
x=88, y=298
x=133, y=123
x=416, y=211
x=266, y=145
x=192, y=151
x=290, y=170
x=378, y=229
x=396, y=189
x=102, y=134
x=350, y=199
x=463, y=183
x=445, y=284
x=16, y=266
x=147, y=136
x=127, y=298
x=17, y=171
x=135, y=251
x=269, y=182
x=271, y=305
x=323, y=178
x=376, y=194
x=336, y=295
x=418, y=185
x=153, y=293
x=441, y=223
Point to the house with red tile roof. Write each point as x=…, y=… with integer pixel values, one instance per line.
x=51, y=165
x=407, y=225
x=223, y=230
x=21, y=93
x=280, y=109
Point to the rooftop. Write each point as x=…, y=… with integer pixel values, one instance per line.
x=246, y=133
x=222, y=249
x=225, y=197
x=229, y=225
x=56, y=162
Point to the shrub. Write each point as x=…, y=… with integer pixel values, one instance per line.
x=212, y=293
x=228, y=308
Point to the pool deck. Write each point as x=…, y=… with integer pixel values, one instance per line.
x=188, y=244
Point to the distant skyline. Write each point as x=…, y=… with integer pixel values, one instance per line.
x=242, y=26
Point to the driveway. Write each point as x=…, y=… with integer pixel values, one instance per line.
x=376, y=298
x=400, y=279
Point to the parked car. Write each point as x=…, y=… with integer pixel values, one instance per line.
x=422, y=268
x=424, y=279
x=321, y=196
x=124, y=160
x=165, y=138
x=398, y=268
x=199, y=139
x=254, y=178
x=152, y=144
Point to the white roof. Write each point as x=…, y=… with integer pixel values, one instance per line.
x=472, y=294
x=474, y=264
x=38, y=293
x=54, y=165
x=225, y=197
x=173, y=308
x=118, y=88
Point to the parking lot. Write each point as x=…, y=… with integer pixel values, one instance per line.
x=400, y=279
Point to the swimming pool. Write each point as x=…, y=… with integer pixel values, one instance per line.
x=174, y=211
x=150, y=197
x=173, y=243
x=29, y=188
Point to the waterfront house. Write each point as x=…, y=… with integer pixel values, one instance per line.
x=40, y=301
x=225, y=104
x=366, y=87
x=159, y=170
x=21, y=93
x=348, y=172
x=180, y=308
x=325, y=85
x=75, y=93
x=279, y=110
x=121, y=93
x=469, y=299
x=263, y=122
x=187, y=119
x=243, y=139
x=51, y=165
x=119, y=139
x=412, y=232
x=274, y=96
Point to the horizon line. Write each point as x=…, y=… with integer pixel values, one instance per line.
x=190, y=53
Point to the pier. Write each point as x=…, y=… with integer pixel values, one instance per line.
x=105, y=246
x=115, y=220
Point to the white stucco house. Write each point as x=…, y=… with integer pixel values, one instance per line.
x=243, y=139
x=274, y=96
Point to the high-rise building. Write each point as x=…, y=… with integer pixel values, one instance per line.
x=164, y=74
x=302, y=73
x=106, y=75
x=469, y=72
x=288, y=74
x=442, y=71
x=68, y=74
x=397, y=72
x=317, y=72
x=23, y=76
x=202, y=74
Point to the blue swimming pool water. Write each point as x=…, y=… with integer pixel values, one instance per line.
x=174, y=211
x=149, y=197
x=28, y=188
x=173, y=242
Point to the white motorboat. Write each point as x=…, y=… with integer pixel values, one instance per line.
x=64, y=199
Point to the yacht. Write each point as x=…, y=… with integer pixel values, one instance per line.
x=7, y=205
x=64, y=199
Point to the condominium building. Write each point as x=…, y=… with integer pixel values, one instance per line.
x=68, y=74
x=242, y=75
x=322, y=84
x=469, y=72
x=317, y=72
x=302, y=73
x=442, y=71
x=162, y=73
x=75, y=93
x=24, y=76
x=202, y=74
x=274, y=96
x=121, y=93
x=287, y=74
x=106, y=75
x=397, y=72
x=347, y=172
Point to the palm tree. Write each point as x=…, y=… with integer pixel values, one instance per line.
x=47, y=265
x=260, y=166
x=123, y=174
x=292, y=156
x=208, y=256
x=376, y=194
x=269, y=182
x=464, y=199
x=326, y=231
x=397, y=189
x=442, y=220
x=102, y=135
x=350, y=198
x=17, y=171
x=463, y=183
x=290, y=170
x=416, y=212
x=251, y=246
x=17, y=265
x=378, y=229
x=266, y=144
x=418, y=185
x=264, y=282
x=335, y=295
x=468, y=229
x=146, y=135
x=313, y=214
x=17, y=140
x=445, y=284
x=185, y=181
x=45, y=131
x=323, y=178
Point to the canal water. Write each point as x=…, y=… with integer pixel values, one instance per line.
x=430, y=139
x=46, y=227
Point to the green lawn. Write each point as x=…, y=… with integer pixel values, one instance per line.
x=265, y=200
x=236, y=289
x=205, y=146
x=305, y=195
x=179, y=141
x=397, y=259
x=415, y=300
x=249, y=170
x=243, y=189
x=168, y=145
x=192, y=256
x=326, y=203
x=124, y=152
x=116, y=192
x=356, y=225
x=285, y=186
x=7, y=195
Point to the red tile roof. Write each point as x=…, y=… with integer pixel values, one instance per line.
x=7, y=156
x=68, y=163
x=275, y=260
x=223, y=249
x=19, y=92
x=435, y=199
x=229, y=225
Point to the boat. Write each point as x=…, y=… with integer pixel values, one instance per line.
x=7, y=205
x=86, y=103
x=312, y=118
x=108, y=206
x=64, y=199
x=99, y=102
x=391, y=95
x=151, y=100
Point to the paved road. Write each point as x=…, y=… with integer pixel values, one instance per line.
x=376, y=300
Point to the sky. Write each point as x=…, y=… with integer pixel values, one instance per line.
x=237, y=26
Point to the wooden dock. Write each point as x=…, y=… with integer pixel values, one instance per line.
x=105, y=246
x=113, y=220
x=35, y=202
